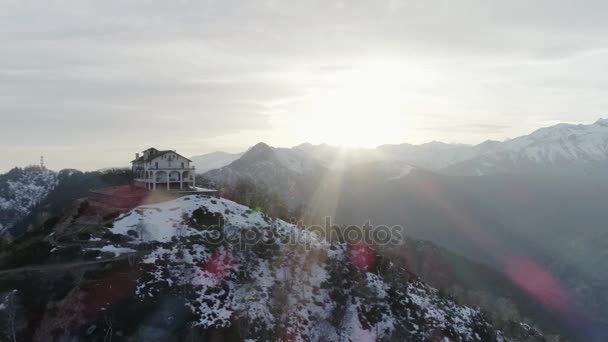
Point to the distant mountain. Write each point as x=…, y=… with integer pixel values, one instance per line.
x=21, y=190
x=562, y=145
x=213, y=160
x=293, y=174
x=338, y=157
x=288, y=175
x=431, y=156
x=260, y=156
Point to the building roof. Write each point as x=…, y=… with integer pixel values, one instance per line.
x=153, y=154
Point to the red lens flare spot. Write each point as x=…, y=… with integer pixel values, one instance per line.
x=219, y=264
x=539, y=284
x=362, y=256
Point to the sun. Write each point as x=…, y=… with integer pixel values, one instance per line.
x=364, y=106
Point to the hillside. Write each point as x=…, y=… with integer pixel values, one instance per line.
x=30, y=196
x=20, y=191
x=168, y=275
x=556, y=225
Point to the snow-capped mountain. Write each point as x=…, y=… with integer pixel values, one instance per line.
x=21, y=190
x=555, y=146
x=561, y=143
x=213, y=160
x=283, y=281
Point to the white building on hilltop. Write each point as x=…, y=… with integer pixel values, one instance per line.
x=163, y=170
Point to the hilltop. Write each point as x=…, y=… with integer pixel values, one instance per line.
x=167, y=275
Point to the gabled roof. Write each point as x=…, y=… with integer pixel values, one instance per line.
x=153, y=154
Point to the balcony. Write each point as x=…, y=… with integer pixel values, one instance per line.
x=172, y=168
x=163, y=180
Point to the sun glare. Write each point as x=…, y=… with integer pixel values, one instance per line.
x=359, y=107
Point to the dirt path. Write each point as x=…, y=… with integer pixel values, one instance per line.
x=50, y=267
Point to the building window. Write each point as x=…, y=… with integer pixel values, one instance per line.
x=156, y=164
x=182, y=165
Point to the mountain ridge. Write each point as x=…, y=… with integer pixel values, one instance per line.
x=545, y=147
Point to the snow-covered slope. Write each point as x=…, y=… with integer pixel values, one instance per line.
x=555, y=146
x=21, y=190
x=563, y=142
x=270, y=280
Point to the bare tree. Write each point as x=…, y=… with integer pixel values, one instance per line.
x=109, y=328
x=11, y=320
x=65, y=315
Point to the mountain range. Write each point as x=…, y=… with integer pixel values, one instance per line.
x=561, y=145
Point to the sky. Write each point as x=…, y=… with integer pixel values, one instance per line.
x=89, y=83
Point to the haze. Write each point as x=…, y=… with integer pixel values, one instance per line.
x=88, y=83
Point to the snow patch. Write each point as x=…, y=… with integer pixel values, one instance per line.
x=114, y=249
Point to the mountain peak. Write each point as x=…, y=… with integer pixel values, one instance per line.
x=257, y=152
x=435, y=143
x=261, y=146
x=602, y=122
x=305, y=145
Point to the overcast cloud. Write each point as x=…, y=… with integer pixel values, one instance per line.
x=89, y=83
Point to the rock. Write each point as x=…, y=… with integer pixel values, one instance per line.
x=91, y=329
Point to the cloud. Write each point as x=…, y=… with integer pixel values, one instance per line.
x=176, y=71
x=470, y=128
